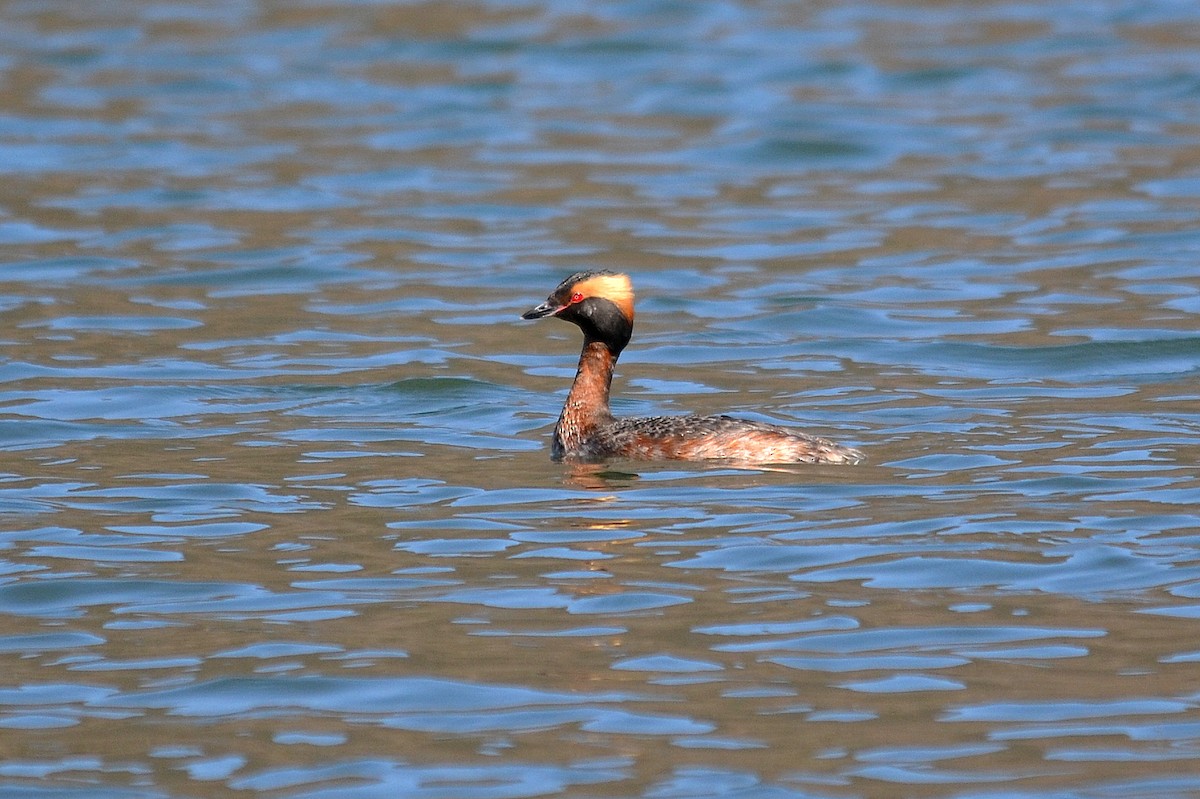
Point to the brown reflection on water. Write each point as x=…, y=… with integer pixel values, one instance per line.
x=747, y=698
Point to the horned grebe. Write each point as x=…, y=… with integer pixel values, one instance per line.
x=601, y=304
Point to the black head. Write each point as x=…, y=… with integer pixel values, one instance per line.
x=600, y=302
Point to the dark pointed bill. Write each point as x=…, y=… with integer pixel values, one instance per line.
x=545, y=309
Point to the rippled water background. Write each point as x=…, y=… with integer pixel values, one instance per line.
x=278, y=517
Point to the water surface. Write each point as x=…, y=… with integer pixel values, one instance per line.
x=278, y=516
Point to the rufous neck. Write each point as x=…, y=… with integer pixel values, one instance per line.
x=587, y=402
x=589, y=392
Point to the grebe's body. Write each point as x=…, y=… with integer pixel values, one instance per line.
x=601, y=304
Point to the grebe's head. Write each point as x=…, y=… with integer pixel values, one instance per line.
x=600, y=302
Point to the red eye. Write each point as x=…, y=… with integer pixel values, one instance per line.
x=576, y=297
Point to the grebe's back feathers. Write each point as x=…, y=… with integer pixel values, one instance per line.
x=722, y=437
